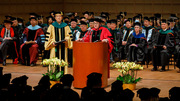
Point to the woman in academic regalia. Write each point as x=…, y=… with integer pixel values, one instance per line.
x=99, y=33
x=136, y=45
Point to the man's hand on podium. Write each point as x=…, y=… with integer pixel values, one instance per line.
x=105, y=40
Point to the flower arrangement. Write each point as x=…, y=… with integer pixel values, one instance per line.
x=54, y=68
x=128, y=71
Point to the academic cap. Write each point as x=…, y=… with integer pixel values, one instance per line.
x=35, y=18
x=86, y=12
x=137, y=24
x=83, y=23
x=74, y=20
x=146, y=18
x=113, y=21
x=7, y=21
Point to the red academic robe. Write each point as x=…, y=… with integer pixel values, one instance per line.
x=12, y=35
x=33, y=50
x=105, y=34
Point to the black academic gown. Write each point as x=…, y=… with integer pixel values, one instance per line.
x=160, y=56
x=136, y=54
x=124, y=34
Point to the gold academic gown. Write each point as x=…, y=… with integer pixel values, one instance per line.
x=52, y=37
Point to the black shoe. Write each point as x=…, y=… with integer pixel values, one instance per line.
x=154, y=69
x=162, y=70
x=4, y=63
x=32, y=64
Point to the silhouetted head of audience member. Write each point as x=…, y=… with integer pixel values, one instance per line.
x=174, y=94
x=1, y=71
x=5, y=80
x=144, y=94
x=20, y=81
x=94, y=80
x=67, y=80
x=155, y=94
x=117, y=86
x=45, y=82
x=127, y=95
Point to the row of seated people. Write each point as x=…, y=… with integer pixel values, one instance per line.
x=19, y=90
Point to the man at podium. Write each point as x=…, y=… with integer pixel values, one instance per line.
x=97, y=34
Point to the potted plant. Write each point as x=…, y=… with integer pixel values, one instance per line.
x=54, y=69
x=128, y=75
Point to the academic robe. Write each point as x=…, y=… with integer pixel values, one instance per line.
x=160, y=56
x=149, y=33
x=100, y=34
x=9, y=46
x=136, y=53
x=31, y=34
x=177, y=51
x=124, y=33
x=115, y=54
x=73, y=29
x=58, y=32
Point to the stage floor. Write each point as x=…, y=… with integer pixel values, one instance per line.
x=162, y=80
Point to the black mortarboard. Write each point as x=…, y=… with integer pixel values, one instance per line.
x=152, y=18
x=33, y=14
x=128, y=20
x=66, y=17
x=140, y=15
x=155, y=92
x=82, y=18
x=128, y=94
x=125, y=13
x=13, y=18
x=103, y=17
x=91, y=20
x=33, y=18
x=91, y=13
x=49, y=17
x=146, y=18
x=157, y=15
x=114, y=21
x=108, y=21
x=58, y=12
x=174, y=93
x=137, y=24
x=40, y=16
x=98, y=20
x=8, y=16
x=119, y=16
x=105, y=14
x=20, y=19
x=51, y=12
x=74, y=20
x=77, y=17
x=85, y=13
x=171, y=20
x=67, y=78
x=144, y=93
x=70, y=14
x=163, y=21
x=173, y=15
x=7, y=21
x=83, y=23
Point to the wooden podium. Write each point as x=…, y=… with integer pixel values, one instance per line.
x=89, y=57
